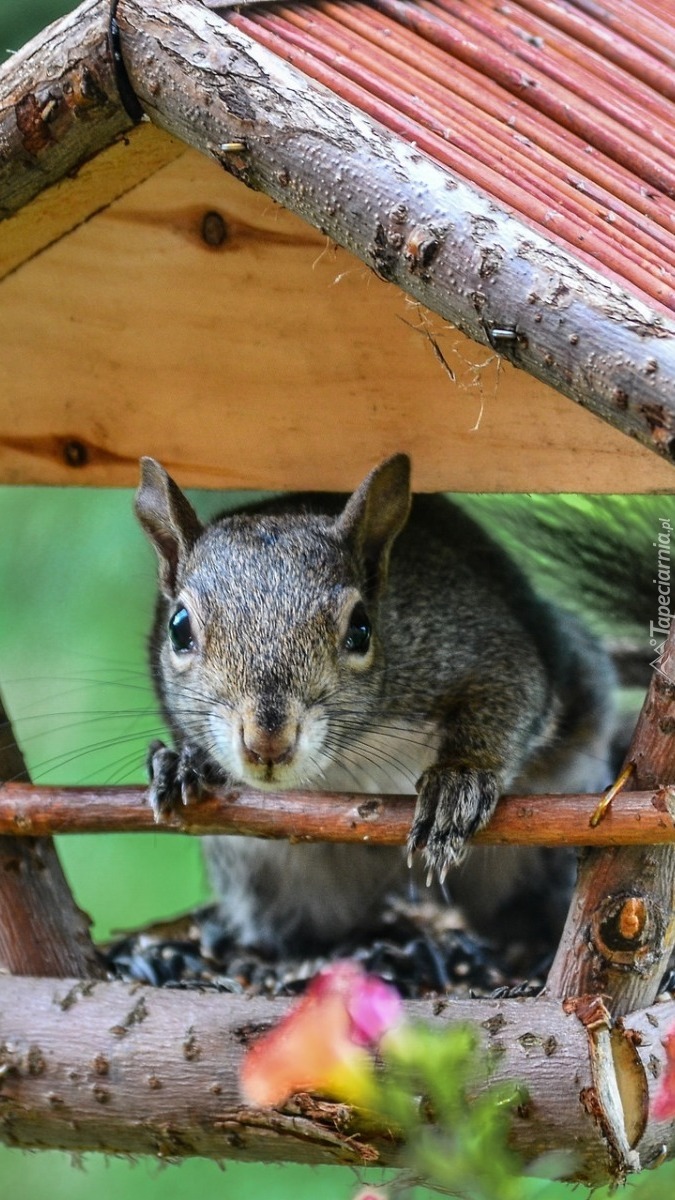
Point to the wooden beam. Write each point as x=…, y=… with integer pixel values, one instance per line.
x=129, y=1069
x=198, y=321
x=59, y=104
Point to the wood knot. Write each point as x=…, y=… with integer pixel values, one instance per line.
x=369, y=810
x=214, y=230
x=626, y=929
x=75, y=452
x=421, y=247
x=632, y=918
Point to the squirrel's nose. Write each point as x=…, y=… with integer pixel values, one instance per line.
x=261, y=748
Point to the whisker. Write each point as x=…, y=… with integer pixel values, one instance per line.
x=361, y=751
x=65, y=758
x=357, y=726
x=123, y=766
x=374, y=754
x=48, y=730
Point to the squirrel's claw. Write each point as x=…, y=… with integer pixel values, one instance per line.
x=175, y=778
x=423, y=819
x=452, y=805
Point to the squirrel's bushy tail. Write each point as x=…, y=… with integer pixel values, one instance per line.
x=597, y=555
x=609, y=559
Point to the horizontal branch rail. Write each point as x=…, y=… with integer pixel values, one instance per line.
x=634, y=818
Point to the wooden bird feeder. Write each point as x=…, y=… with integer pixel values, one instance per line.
x=268, y=245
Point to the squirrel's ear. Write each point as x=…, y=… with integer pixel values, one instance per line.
x=376, y=513
x=168, y=519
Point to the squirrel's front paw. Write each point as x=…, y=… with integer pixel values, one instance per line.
x=175, y=778
x=453, y=803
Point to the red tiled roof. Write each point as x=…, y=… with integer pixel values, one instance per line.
x=561, y=110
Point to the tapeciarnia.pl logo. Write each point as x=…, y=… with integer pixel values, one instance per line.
x=659, y=629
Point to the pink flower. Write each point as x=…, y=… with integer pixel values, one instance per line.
x=374, y=1008
x=663, y=1105
x=323, y=1043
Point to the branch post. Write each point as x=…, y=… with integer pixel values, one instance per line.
x=42, y=931
x=620, y=930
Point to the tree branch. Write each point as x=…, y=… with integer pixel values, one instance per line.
x=620, y=934
x=42, y=931
x=634, y=818
x=136, y=1070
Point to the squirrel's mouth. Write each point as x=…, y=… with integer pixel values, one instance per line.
x=290, y=755
x=272, y=777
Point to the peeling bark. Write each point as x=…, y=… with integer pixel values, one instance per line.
x=59, y=104
x=646, y=1030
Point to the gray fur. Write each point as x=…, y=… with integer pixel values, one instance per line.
x=471, y=686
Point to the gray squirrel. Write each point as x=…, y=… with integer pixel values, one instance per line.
x=366, y=644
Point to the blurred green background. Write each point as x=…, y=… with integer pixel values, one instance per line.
x=77, y=581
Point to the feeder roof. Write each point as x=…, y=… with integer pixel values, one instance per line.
x=508, y=164
x=562, y=112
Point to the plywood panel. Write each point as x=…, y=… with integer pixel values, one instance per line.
x=134, y=157
x=268, y=360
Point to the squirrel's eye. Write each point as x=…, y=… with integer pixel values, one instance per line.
x=180, y=631
x=357, y=638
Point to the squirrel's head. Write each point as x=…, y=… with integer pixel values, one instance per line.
x=266, y=644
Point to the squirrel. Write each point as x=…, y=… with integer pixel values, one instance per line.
x=369, y=643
